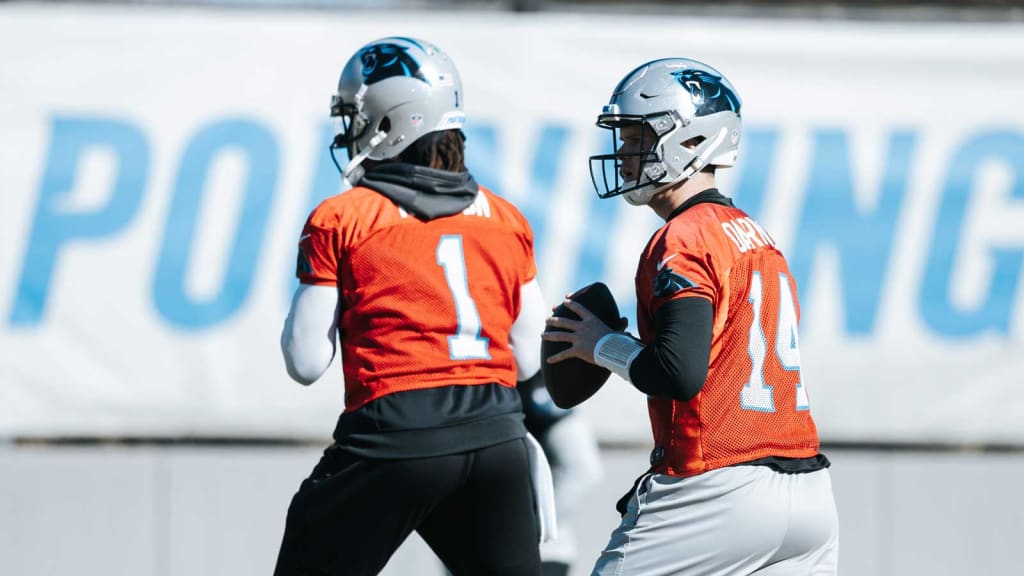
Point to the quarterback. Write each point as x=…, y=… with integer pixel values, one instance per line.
x=737, y=484
x=429, y=279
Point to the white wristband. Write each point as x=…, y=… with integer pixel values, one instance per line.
x=616, y=351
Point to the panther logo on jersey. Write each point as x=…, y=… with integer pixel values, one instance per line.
x=668, y=282
x=382, y=61
x=707, y=92
x=302, y=264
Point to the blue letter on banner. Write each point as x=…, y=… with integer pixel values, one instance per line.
x=996, y=308
x=260, y=148
x=862, y=239
x=54, y=225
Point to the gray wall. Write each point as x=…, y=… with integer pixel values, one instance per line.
x=196, y=511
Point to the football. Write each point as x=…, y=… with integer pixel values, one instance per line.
x=572, y=381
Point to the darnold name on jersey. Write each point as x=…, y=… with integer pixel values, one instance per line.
x=747, y=234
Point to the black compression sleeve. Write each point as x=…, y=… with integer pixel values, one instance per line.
x=676, y=365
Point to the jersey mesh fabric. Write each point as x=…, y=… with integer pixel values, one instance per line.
x=733, y=433
x=398, y=279
x=710, y=259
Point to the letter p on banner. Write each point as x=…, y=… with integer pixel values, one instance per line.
x=58, y=221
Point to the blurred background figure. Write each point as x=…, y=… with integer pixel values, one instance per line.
x=575, y=460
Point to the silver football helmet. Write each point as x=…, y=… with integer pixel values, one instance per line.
x=391, y=92
x=681, y=101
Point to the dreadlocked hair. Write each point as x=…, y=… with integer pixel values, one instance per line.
x=444, y=150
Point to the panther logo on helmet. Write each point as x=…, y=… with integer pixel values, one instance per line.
x=694, y=112
x=707, y=92
x=391, y=92
x=382, y=61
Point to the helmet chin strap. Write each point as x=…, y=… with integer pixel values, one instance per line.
x=639, y=197
x=353, y=172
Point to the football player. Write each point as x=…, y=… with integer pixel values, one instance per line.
x=737, y=484
x=429, y=279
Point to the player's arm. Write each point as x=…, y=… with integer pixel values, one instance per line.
x=310, y=332
x=676, y=364
x=538, y=407
x=526, y=330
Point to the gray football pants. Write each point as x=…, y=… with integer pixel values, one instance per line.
x=732, y=521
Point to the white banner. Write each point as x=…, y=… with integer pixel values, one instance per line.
x=157, y=165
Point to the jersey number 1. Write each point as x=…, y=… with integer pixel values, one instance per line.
x=466, y=344
x=757, y=394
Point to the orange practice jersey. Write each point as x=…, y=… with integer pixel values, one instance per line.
x=421, y=304
x=753, y=403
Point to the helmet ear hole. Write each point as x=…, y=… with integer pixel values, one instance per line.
x=693, y=142
x=385, y=125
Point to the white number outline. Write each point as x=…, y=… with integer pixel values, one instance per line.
x=758, y=395
x=466, y=343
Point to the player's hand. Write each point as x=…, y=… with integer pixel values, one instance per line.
x=581, y=335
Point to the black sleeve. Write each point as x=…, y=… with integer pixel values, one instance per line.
x=677, y=364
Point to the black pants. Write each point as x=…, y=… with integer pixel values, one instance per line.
x=475, y=510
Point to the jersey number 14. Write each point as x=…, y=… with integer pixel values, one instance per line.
x=757, y=394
